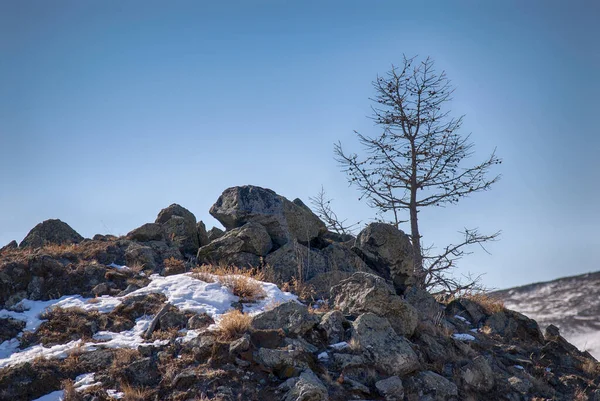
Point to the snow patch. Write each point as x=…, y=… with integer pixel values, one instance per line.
x=463, y=337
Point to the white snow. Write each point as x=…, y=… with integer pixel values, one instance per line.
x=463, y=337
x=115, y=394
x=84, y=381
x=53, y=396
x=339, y=346
x=118, y=267
x=519, y=367
x=323, y=355
x=462, y=319
x=182, y=291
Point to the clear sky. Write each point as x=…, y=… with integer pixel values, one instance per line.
x=112, y=110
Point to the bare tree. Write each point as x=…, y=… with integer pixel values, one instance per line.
x=418, y=161
x=322, y=208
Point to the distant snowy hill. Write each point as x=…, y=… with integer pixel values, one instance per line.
x=570, y=303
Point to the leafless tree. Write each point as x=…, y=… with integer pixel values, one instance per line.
x=417, y=161
x=322, y=207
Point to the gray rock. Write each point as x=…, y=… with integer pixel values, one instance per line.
x=432, y=386
x=282, y=219
x=302, y=223
x=425, y=304
x=511, y=324
x=183, y=234
x=332, y=323
x=283, y=362
x=388, y=251
x=199, y=321
x=365, y=292
x=173, y=319
x=466, y=308
x=202, y=233
x=387, y=351
x=140, y=255
x=143, y=372
x=214, y=233
x=391, y=388
x=237, y=246
x=292, y=317
x=147, y=232
x=179, y=225
x=240, y=345
x=477, y=375
x=296, y=260
x=308, y=387
x=11, y=245
x=51, y=231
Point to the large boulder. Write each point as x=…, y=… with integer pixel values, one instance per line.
x=365, y=292
x=514, y=325
x=282, y=219
x=386, y=350
x=293, y=318
x=388, y=251
x=296, y=260
x=243, y=246
x=51, y=231
x=179, y=225
x=428, y=385
x=147, y=232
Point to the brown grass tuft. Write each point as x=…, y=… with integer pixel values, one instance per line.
x=174, y=264
x=247, y=289
x=590, y=367
x=169, y=334
x=233, y=324
x=135, y=394
x=69, y=391
x=242, y=282
x=489, y=303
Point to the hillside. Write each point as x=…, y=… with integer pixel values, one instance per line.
x=273, y=308
x=570, y=303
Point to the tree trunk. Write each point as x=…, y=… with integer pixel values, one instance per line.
x=416, y=242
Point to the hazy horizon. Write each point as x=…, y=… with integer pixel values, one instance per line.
x=110, y=112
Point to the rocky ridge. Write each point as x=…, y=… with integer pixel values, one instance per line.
x=139, y=317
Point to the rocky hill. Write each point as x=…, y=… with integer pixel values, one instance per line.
x=273, y=308
x=570, y=303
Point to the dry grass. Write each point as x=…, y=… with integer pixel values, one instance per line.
x=121, y=358
x=233, y=324
x=69, y=391
x=305, y=292
x=135, y=394
x=580, y=395
x=242, y=282
x=489, y=303
x=169, y=334
x=174, y=264
x=247, y=289
x=590, y=367
x=223, y=270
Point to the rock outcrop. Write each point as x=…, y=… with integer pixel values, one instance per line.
x=283, y=220
x=49, y=232
x=365, y=292
x=371, y=336
x=179, y=225
x=388, y=251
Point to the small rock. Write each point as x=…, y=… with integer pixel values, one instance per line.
x=308, y=387
x=199, y=321
x=391, y=388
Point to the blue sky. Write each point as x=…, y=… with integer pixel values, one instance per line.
x=110, y=111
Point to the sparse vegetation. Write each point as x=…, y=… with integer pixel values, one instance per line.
x=134, y=393
x=233, y=324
